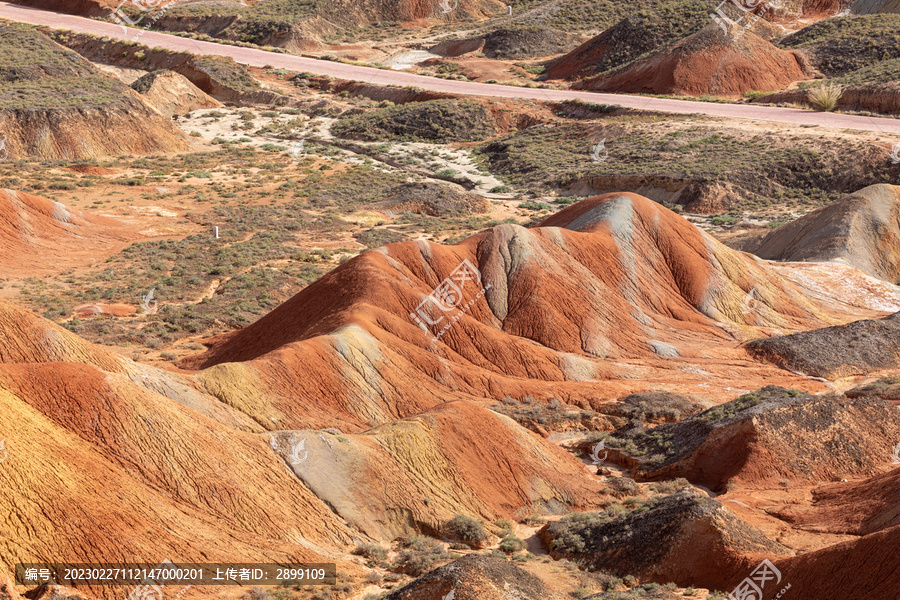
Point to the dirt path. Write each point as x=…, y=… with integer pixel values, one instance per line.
x=261, y=58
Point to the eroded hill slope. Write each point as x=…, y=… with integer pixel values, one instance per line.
x=55, y=104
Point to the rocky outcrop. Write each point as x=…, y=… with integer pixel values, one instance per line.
x=173, y=94
x=861, y=230
x=686, y=538
x=763, y=437
x=55, y=105
x=625, y=41
x=85, y=8
x=707, y=62
x=881, y=98
x=832, y=352
x=434, y=199
x=357, y=13
x=476, y=577
x=871, y=7
x=219, y=77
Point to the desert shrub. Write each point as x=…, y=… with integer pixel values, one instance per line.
x=622, y=486
x=506, y=527
x=373, y=552
x=419, y=555
x=669, y=486
x=467, y=529
x=511, y=544
x=439, y=121
x=825, y=97
x=573, y=536
x=62, y=185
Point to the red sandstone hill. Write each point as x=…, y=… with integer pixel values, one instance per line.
x=827, y=8
x=764, y=437
x=38, y=235
x=707, y=62
x=54, y=104
x=476, y=577
x=608, y=288
x=112, y=460
x=350, y=13
x=172, y=472
x=686, y=538
x=99, y=469
x=628, y=39
x=864, y=568
x=415, y=474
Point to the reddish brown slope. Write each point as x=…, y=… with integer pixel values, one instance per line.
x=417, y=473
x=707, y=62
x=97, y=469
x=857, y=508
x=194, y=474
x=864, y=568
x=97, y=116
x=823, y=8
x=27, y=338
x=598, y=278
x=38, y=235
x=763, y=438
x=861, y=230
x=358, y=12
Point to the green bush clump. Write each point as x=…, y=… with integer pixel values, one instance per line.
x=511, y=544
x=419, y=555
x=466, y=529
x=437, y=121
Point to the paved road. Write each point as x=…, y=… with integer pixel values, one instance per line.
x=259, y=58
